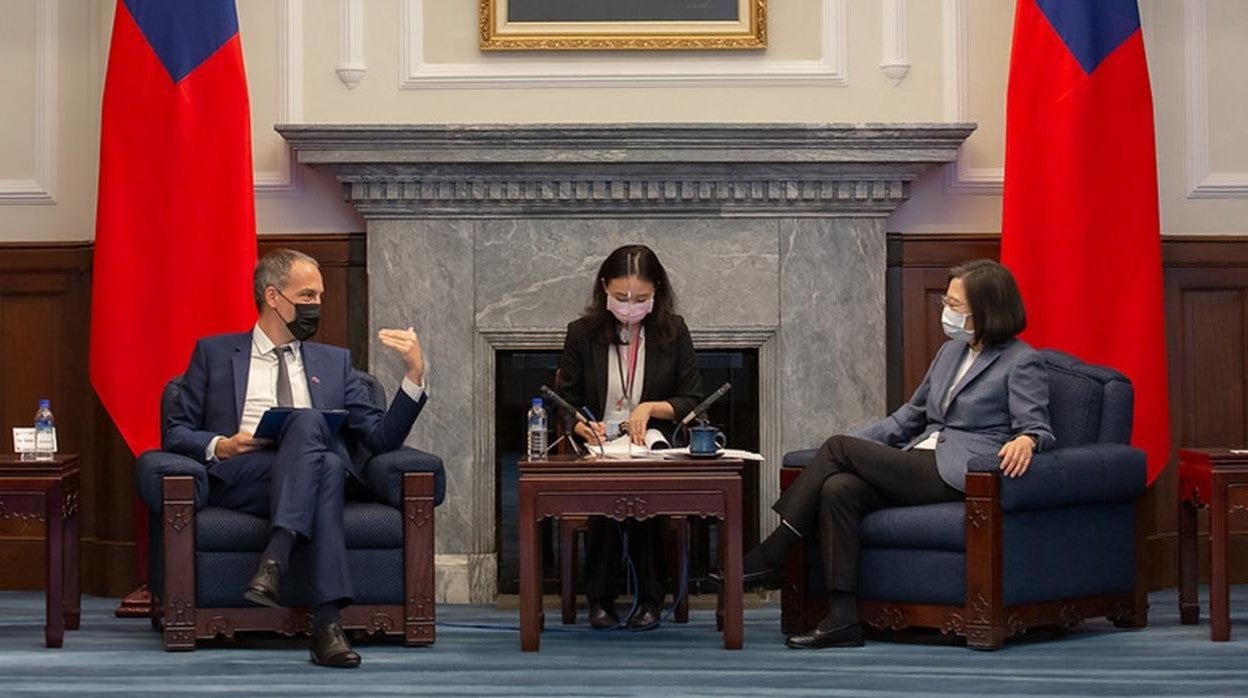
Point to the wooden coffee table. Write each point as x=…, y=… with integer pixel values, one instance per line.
x=47, y=491
x=629, y=489
x=1215, y=478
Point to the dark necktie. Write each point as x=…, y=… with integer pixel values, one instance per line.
x=284, y=398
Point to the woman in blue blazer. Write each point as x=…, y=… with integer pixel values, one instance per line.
x=986, y=392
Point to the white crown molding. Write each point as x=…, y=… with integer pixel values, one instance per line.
x=41, y=188
x=351, y=67
x=415, y=73
x=960, y=176
x=284, y=180
x=895, y=64
x=1202, y=181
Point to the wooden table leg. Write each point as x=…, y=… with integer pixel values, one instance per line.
x=54, y=630
x=73, y=593
x=1189, y=564
x=682, y=565
x=1219, y=588
x=723, y=588
x=530, y=573
x=733, y=592
x=567, y=565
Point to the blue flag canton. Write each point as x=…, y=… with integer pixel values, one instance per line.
x=183, y=33
x=1092, y=29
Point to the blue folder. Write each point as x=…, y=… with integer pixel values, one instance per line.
x=271, y=423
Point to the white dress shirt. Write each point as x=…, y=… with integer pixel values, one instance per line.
x=929, y=444
x=262, y=384
x=615, y=387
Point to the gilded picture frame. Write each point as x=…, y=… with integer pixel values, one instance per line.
x=613, y=25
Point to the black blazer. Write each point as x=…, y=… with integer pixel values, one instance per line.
x=671, y=373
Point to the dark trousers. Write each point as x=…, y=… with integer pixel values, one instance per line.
x=847, y=479
x=298, y=486
x=604, y=565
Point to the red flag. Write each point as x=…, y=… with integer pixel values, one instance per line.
x=175, y=238
x=1080, y=225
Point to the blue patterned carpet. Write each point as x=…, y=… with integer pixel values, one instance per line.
x=117, y=657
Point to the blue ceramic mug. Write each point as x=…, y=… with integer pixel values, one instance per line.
x=706, y=440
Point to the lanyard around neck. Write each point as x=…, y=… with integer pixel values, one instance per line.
x=627, y=384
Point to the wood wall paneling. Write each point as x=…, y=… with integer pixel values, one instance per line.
x=43, y=331
x=1207, y=332
x=45, y=305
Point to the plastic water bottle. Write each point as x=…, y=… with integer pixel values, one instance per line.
x=537, y=429
x=45, y=431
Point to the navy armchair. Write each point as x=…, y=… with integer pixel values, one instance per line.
x=1048, y=549
x=201, y=556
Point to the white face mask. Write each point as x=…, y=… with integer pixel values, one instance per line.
x=954, y=325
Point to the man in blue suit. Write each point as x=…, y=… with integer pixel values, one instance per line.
x=296, y=480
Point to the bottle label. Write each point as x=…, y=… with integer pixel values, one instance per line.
x=45, y=440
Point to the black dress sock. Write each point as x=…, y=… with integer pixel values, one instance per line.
x=842, y=610
x=280, y=543
x=323, y=615
x=769, y=554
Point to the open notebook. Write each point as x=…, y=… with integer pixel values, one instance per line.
x=656, y=446
x=623, y=447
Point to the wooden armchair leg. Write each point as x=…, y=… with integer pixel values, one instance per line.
x=798, y=611
x=568, y=526
x=178, y=538
x=985, y=596
x=1138, y=616
x=419, y=612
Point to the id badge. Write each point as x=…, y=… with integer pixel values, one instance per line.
x=613, y=420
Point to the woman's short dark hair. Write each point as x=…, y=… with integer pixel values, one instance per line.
x=642, y=262
x=996, y=305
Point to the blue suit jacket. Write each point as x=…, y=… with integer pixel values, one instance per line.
x=1004, y=393
x=215, y=385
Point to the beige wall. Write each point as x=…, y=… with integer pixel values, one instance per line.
x=419, y=63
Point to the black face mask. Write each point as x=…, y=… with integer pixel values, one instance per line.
x=307, y=319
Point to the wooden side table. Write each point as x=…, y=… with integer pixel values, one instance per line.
x=1212, y=478
x=629, y=489
x=47, y=491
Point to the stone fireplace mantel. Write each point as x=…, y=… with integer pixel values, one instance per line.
x=487, y=237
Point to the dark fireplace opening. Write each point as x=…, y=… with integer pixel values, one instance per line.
x=518, y=376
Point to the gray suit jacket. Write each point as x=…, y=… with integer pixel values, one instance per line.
x=1004, y=393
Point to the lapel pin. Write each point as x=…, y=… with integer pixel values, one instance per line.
x=316, y=380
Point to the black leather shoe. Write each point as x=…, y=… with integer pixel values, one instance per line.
x=602, y=616
x=646, y=617
x=331, y=648
x=841, y=636
x=263, y=587
x=763, y=579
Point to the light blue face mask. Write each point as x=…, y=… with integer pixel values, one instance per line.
x=954, y=325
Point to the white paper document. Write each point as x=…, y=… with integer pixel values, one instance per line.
x=623, y=447
x=723, y=453
x=656, y=447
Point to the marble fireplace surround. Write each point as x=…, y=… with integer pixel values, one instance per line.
x=487, y=237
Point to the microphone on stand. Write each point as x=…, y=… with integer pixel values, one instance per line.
x=562, y=402
x=702, y=406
